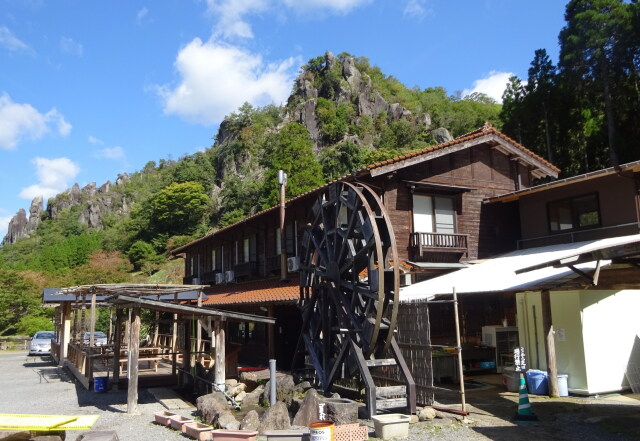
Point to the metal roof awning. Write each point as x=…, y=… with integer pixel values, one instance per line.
x=533, y=269
x=439, y=265
x=61, y=295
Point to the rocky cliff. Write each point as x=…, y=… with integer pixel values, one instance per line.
x=96, y=204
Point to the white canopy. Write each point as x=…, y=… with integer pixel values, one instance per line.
x=499, y=274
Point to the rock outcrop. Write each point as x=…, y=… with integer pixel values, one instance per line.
x=20, y=226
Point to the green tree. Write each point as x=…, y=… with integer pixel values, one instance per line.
x=341, y=159
x=179, y=207
x=290, y=150
x=19, y=297
x=140, y=253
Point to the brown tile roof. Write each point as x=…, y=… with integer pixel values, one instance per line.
x=260, y=291
x=488, y=128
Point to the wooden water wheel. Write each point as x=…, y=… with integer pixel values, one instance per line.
x=349, y=284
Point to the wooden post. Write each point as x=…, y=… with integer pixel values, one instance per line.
x=271, y=334
x=220, y=374
x=282, y=178
x=65, y=332
x=156, y=329
x=134, y=347
x=117, y=339
x=92, y=323
x=186, y=350
x=550, y=347
x=174, y=345
x=199, y=348
x=458, y=344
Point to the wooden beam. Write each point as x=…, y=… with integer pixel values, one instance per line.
x=220, y=373
x=174, y=345
x=134, y=348
x=117, y=340
x=550, y=347
x=92, y=322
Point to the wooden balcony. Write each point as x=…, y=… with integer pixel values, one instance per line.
x=429, y=245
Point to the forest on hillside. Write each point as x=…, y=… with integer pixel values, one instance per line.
x=343, y=113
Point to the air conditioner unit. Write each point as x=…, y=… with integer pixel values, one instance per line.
x=229, y=276
x=219, y=278
x=195, y=281
x=293, y=264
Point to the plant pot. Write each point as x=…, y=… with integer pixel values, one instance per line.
x=233, y=435
x=178, y=421
x=199, y=431
x=393, y=425
x=163, y=417
x=287, y=435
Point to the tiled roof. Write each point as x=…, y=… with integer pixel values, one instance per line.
x=261, y=291
x=488, y=128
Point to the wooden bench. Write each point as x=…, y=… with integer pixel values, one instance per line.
x=149, y=360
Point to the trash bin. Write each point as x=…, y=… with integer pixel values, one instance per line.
x=511, y=379
x=563, y=386
x=100, y=384
x=537, y=382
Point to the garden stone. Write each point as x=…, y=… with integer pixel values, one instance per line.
x=226, y=420
x=240, y=396
x=210, y=406
x=341, y=410
x=427, y=413
x=275, y=418
x=250, y=379
x=285, y=388
x=251, y=421
x=308, y=409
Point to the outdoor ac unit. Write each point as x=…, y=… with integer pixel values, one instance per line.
x=293, y=264
x=195, y=281
x=219, y=278
x=229, y=276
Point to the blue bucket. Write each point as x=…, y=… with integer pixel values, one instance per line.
x=100, y=384
x=537, y=382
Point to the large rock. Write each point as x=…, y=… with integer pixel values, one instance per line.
x=285, y=389
x=441, y=135
x=251, y=421
x=253, y=398
x=426, y=413
x=275, y=418
x=17, y=227
x=250, y=379
x=341, y=410
x=308, y=409
x=226, y=420
x=211, y=406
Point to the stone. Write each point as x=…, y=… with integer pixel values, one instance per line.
x=17, y=227
x=105, y=435
x=303, y=387
x=413, y=419
x=240, y=396
x=285, y=389
x=426, y=413
x=253, y=398
x=308, y=409
x=232, y=391
x=231, y=382
x=441, y=135
x=250, y=379
x=211, y=406
x=251, y=421
x=341, y=410
x=226, y=420
x=275, y=418
x=56, y=438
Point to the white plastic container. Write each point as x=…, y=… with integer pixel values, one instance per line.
x=392, y=425
x=563, y=385
x=511, y=379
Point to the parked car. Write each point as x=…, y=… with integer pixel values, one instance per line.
x=99, y=338
x=41, y=343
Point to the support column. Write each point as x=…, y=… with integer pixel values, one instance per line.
x=174, y=345
x=271, y=334
x=550, y=346
x=220, y=374
x=117, y=339
x=134, y=347
x=186, y=350
x=199, y=348
x=92, y=323
x=65, y=331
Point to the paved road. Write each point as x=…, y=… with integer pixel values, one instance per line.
x=35, y=385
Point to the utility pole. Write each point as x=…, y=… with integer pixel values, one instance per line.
x=282, y=180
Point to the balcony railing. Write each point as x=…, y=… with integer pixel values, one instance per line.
x=439, y=243
x=246, y=269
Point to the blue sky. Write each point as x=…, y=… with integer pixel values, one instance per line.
x=91, y=89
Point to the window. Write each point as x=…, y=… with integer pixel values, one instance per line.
x=216, y=259
x=278, y=242
x=574, y=213
x=433, y=214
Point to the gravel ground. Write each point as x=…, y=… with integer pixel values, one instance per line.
x=34, y=385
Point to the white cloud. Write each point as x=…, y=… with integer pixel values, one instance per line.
x=11, y=42
x=216, y=79
x=416, y=9
x=23, y=121
x=69, y=46
x=142, y=13
x=116, y=152
x=492, y=85
x=95, y=141
x=230, y=13
x=53, y=176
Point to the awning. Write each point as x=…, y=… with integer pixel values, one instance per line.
x=545, y=267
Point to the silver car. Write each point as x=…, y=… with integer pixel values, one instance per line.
x=99, y=338
x=41, y=343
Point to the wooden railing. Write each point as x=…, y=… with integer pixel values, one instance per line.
x=55, y=350
x=440, y=242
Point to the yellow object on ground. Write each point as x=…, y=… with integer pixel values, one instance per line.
x=46, y=422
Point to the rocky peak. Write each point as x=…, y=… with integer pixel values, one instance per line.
x=20, y=226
